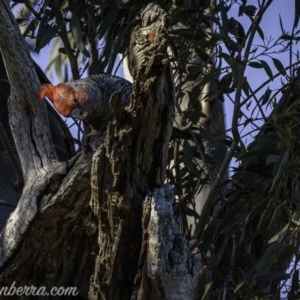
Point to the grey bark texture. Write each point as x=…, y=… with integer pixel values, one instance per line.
x=168, y=269
x=11, y=172
x=135, y=160
x=10, y=189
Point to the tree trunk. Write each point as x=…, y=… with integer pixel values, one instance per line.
x=11, y=176
x=10, y=187
x=167, y=268
x=132, y=160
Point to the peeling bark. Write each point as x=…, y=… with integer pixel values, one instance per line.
x=132, y=159
x=170, y=271
x=55, y=232
x=11, y=175
x=27, y=118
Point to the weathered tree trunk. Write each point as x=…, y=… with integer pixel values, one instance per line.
x=11, y=177
x=10, y=189
x=167, y=268
x=132, y=161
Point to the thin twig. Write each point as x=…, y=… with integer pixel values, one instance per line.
x=269, y=80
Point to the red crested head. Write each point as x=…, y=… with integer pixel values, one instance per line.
x=62, y=96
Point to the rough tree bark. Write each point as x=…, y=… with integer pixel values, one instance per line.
x=141, y=147
x=168, y=270
x=79, y=222
x=11, y=177
x=9, y=191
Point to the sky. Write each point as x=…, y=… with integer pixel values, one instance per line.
x=270, y=26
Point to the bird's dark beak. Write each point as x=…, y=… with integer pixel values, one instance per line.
x=78, y=114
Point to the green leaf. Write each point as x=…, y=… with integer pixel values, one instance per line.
x=296, y=217
x=286, y=255
x=273, y=276
x=279, y=236
x=191, y=212
x=260, y=33
x=236, y=28
x=240, y=285
x=255, y=211
x=279, y=66
x=45, y=34
x=266, y=97
x=76, y=31
x=267, y=68
x=280, y=170
x=77, y=34
x=208, y=78
x=275, y=217
x=187, y=158
x=234, y=66
x=297, y=13
x=271, y=159
x=110, y=17
x=268, y=257
x=246, y=87
x=255, y=64
x=232, y=218
x=208, y=287
x=250, y=10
